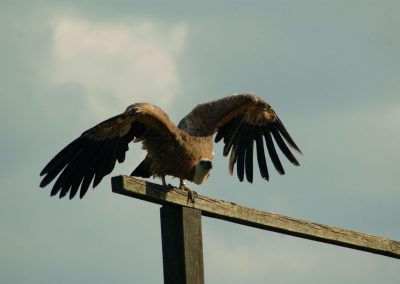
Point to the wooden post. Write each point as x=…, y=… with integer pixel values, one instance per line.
x=182, y=245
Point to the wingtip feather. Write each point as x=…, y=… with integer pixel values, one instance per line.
x=272, y=152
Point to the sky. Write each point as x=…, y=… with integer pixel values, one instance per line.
x=330, y=69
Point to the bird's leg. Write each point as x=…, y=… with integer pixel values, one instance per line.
x=165, y=185
x=191, y=193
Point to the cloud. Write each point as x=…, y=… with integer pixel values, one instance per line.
x=117, y=64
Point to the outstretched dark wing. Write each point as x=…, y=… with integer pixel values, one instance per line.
x=93, y=155
x=242, y=121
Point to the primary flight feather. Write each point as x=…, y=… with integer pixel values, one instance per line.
x=184, y=151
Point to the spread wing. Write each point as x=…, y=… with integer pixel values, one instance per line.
x=242, y=121
x=93, y=155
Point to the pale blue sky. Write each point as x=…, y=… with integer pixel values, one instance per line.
x=330, y=69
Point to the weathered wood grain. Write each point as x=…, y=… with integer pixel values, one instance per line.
x=256, y=218
x=182, y=244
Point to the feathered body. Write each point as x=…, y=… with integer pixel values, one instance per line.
x=184, y=151
x=178, y=157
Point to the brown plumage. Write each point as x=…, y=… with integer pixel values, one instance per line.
x=184, y=151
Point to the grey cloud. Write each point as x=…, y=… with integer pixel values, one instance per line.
x=310, y=60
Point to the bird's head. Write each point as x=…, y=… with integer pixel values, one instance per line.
x=202, y=170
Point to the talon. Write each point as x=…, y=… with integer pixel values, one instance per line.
x=191, y=194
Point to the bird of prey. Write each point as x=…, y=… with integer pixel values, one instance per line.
x=184, y=151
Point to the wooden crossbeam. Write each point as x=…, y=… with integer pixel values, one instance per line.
x=256, y=218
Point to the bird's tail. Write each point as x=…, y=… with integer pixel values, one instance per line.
x=143, y=170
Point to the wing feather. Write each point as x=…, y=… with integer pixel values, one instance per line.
x=101, y=167
x=87, y=179
x=240, y=159
x=234, y=153
x=60, y=160
x=249, y=155
x=222, y=133
x=231, y=133
x=121, y=151
x=232, y=159
x=281, y=128
x=93, y=155
x=272, y=152
x=74, y=187
x=88, y=161
x=240, y=120
x=262, y=163
x=285, y=150
x=86, y=169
